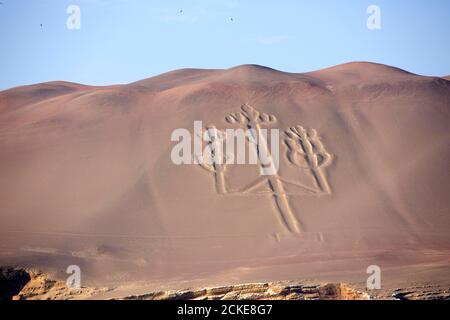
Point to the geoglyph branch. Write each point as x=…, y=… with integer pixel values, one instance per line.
x=307, y=151
x=252, y=119
x=214, y=160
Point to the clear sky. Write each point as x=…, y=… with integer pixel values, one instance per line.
x=123, y=41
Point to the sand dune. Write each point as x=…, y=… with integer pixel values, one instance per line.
x=86, y=178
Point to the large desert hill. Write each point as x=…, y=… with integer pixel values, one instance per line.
x=86, y=177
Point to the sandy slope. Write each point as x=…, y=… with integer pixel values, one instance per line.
x=86, y=178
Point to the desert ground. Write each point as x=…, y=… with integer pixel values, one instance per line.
x=86, y=179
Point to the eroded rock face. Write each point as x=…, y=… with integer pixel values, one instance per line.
x=428, y=292
x=262, y=291
x=12, y=281
x=21, y=284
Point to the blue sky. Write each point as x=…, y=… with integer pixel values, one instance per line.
x=123, y=41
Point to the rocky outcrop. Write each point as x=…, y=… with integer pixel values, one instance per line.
x=430, y=292
x=261, y=291
x=12, y=281
x=21, y=284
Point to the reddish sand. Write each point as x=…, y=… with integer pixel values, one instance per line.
x=86, y=178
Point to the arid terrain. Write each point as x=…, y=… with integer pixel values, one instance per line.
x=86, y=179
x=20, y=284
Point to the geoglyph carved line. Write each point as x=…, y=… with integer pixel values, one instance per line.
x=253, y=119
x=305, y=150
x=216, y=167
